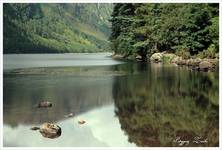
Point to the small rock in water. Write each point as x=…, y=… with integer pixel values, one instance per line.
x=50, y=130
x=44, y=104
x=69, y=115
x=81, y=122
x=35, y=128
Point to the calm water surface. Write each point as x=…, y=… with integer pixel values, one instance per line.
x=14, y=61
x=123, y=104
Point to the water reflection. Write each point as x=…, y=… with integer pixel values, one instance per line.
x=165, y=103
x=86, y=92
x=102, y=128
x=153, y=105
x=74, y=94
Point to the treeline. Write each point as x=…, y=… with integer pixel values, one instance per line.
x=189, y=30
x=55, y=28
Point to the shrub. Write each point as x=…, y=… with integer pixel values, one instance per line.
x=210, y=52
x=183, y=52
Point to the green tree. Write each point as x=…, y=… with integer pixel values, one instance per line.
x=142, y=29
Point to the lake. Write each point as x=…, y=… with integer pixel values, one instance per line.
x=124, y=104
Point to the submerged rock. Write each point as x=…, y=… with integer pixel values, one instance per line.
x=44, y=104
x=35, y=128
x=81, y=122
x=69, y=115
x=50, y=130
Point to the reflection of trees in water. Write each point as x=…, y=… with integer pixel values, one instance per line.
x=67, y=94
x=164, y=103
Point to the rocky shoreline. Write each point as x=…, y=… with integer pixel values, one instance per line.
x=196, y=64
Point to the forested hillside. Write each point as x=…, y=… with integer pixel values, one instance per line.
x=53, y=28
x=184, y=29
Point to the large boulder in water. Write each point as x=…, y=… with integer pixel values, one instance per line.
x=156, y=57
x=50, y=130
x=205, y=66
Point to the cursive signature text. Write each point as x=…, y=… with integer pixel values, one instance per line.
x=195, y=140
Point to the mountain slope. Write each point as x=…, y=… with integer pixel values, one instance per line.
x=52, y=28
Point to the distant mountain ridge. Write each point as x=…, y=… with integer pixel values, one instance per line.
x=55, y=28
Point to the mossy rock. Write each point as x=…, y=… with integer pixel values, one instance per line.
x=176, y=59
x=168, y=57
x=193, y=62
x=156, y=57
x=205, y=65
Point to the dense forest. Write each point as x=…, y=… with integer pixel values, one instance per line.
x=188, y=30
x=55, y=28
x=137, y=29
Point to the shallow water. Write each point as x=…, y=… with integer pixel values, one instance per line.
x=124, y=105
